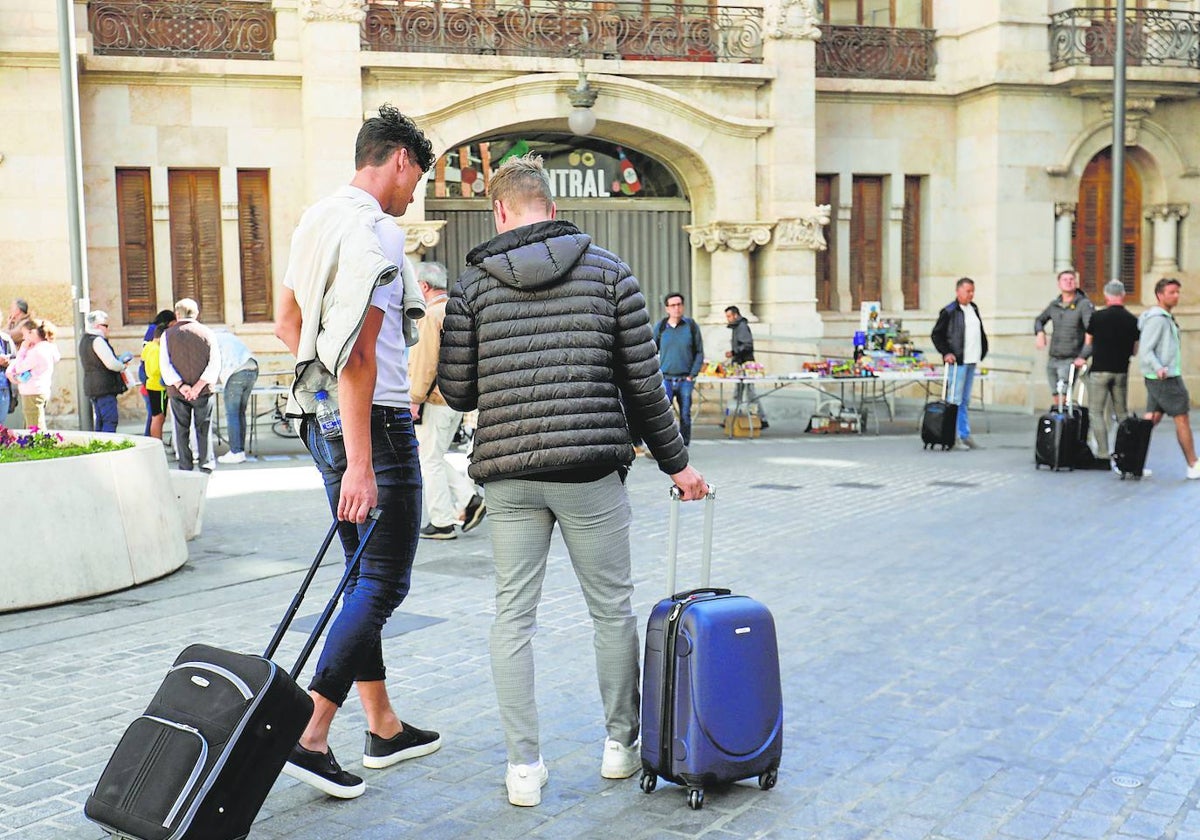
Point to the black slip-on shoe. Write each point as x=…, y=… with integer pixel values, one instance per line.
x=433, y=532
x=475, y=512
x=410, y=743
x=322, y=771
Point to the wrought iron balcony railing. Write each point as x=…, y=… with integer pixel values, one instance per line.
x=654, y=31
x=186, y=28
x=875, y=52
x=1153, y=37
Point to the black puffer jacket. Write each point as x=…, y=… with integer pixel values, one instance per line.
x=548, y=335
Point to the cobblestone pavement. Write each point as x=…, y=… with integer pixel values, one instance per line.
x=971, y=650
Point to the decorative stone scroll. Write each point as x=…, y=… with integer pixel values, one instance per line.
x=804, y=232
x=1065, y=208
x=792, y=19
x=729, y=236
x=346, y=11
x=421, y=236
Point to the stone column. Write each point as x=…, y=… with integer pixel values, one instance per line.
x=785, y=279
x=1165, y=220
x=730, y=245
x=890, y=287
x=844, y=297
x=1064, y=217
x=330, y=91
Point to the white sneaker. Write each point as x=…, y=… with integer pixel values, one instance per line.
x=620, y=762
x=525, y=783
x=232, y=458
x=1193, y=472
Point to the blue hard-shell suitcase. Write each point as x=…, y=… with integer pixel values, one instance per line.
x=712, y=705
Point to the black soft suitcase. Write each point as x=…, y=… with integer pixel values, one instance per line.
x=1059, y=434
x=1132, y=445
x=712, y=704
x=939, y=419
x=201, y=759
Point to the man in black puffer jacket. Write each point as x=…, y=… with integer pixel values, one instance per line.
x=548, y=335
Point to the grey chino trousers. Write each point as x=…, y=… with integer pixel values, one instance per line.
x=1108, y=396
x=594, y=520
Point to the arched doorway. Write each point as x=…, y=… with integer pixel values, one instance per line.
x=1093, y=226
x=628, y=202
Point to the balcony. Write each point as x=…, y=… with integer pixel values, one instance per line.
x=643, y=31
x=1153, y=38
x=875, y=52
x=183, y=29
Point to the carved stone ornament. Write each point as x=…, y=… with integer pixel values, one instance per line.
x=1136, y=110
x=805, y=232
x=421, y=236
x=347, y=11
x=793, y=19
x=729, y=236
x=1166, y=212
x=1065, y=208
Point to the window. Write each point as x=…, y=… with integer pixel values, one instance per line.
x=827, y=259
x=866, y=239
x=910, y=243
x=195, y=206
x=896, y=14
x=135, y=234
x=254, y=243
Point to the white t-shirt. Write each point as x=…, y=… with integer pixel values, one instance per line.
x=972, y=337
x=391, y=353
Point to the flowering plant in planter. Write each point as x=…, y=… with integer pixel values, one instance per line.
x=37, y=445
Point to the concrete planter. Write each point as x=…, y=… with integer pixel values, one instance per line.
x=94, y=523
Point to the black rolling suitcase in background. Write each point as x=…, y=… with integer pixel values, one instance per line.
x=1132, y=445
x=199, y=762
x=1058, y=434
x=712, y=703
x=939, y=419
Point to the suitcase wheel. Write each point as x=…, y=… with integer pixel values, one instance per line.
x=649, y=781
x=695, y=798
x=767, y=780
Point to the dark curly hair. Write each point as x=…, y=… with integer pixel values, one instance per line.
x=380, y=136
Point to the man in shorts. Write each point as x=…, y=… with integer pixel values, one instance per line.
x=1160, y=358
x=1069, y=315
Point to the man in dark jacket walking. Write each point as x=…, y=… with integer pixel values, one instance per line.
x=741, y=350
x=962, y=341
x=546, y=335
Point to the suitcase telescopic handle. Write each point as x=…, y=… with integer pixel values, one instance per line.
x=323, y=621
x=710, y=499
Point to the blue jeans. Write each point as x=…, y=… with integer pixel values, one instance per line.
x=104, y=413
x=5, y=401
x=237, y=400
x=354, y=651
x=679, y=389
x=961, y=377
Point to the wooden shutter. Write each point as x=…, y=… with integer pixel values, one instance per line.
x=135, y=233
x=1093, y=221
x=827, y=259
x=254, y=241
x=910, y=243
x=195, y=199
x=866, y=239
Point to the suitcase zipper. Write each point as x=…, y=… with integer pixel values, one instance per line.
x=666, y=736
x=241, y=685
x=195, y=774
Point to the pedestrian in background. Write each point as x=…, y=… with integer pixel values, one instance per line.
x=156, y=390
x=8, y=352
x=343, y=312
x=18, y=312
x=451, y=497
x=546, y=333
x=741, y=350
x=102, y=381
x=33, y=369
x=1161, y=357
x=239, y=372
x=962, y=341
x=680, y=357
x=191, y=363
x=1111, y=340
x=152, y=392
x=1069, y=314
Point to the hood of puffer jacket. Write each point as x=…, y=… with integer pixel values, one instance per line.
x=532, y=256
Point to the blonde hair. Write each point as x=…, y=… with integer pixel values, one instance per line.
x=521, y=181
x=42, y=327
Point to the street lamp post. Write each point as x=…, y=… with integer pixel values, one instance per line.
x=74, y=166
x=1116, y=230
